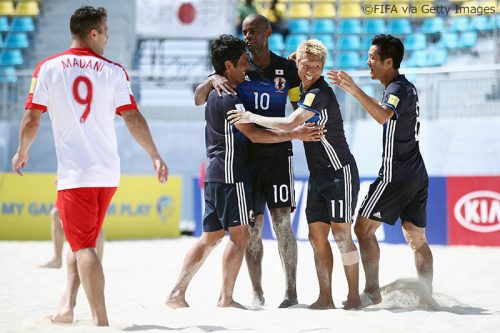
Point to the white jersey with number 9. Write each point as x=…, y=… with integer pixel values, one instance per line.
x=82, y=92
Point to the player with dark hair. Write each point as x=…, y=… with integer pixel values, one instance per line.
x=333, y=181
x=82, y=91
x=228, y=204
x=269, y=82
x=400, y=191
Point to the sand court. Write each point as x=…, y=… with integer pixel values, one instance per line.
x=139, y=275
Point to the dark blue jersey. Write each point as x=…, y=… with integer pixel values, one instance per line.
x=332, y=152
x=227, y=148
x=401, y=158
x=265, y=92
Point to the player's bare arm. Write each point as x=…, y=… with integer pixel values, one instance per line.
x=217, y=82
x=296, y=118
x=345, y=82
x=304, y=132
x=139, y=129
x=27, y=134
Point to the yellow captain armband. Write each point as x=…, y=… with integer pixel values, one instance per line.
x=33, y=84
x=294, y=94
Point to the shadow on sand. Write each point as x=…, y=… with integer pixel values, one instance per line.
x=204, y=328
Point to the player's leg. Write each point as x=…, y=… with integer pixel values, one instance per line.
x=212, y=234
x=192, y=262
x=280, y=197
x=236, y=218
x=287, y=247
x=231, y=264
x=323, y=260
x=99, y=246
x=255, y=249
x=92, y=278
x=370, y=256
x=64, y=314
x=415, y=237
x=382, y=204
x=254, y=253
x=57, y=239
x=343, y=198
x=350, y=259
x=89, y=264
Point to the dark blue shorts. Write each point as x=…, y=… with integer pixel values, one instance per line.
x=272, y=182
x=227, y=205
x=332, y=196
x=386, y=202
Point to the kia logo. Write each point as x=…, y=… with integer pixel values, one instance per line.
x=479, y=211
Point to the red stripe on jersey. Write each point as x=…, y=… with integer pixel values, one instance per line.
x=31, y=105
x=77, y=51
x=126, y=107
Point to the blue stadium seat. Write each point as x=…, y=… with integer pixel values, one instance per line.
x=448, y=40
x=433, y=25
x=327, y=40
x=481, y=23
x=416, y=41
x=345, y=43
x=495, y=21
x=329, y=63
x=367, y=43
x=459, y=23
x=350, y=26
x=276, y=43
x=17, y=40
x=348, y=60
x=11, y=58
x=468, y=39
x=1, y=42
x=293, y=41
x=374, y=27
x=299, y=26
x=437, y=57
x=399, y=27
x=4, y=24
x=22, y=24
x=417, y=58
x=7, y=75
x=323, y=26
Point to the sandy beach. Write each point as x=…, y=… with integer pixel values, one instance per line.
x=139, y=274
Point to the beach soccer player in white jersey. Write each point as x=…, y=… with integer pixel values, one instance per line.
x=82, y=92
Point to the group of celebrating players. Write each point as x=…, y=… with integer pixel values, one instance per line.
x=250, y=160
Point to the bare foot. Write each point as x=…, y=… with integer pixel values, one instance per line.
x=371, y=298
x=54, y=263
x=231, y=304
x=288, y=302
x=322, y=305
x=258, y=299
x=352, y=303
x=63, y=316
x=176, y=302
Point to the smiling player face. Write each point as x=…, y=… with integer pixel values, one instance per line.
x=310, y=67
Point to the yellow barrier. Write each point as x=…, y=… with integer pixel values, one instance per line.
x=141, y=208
